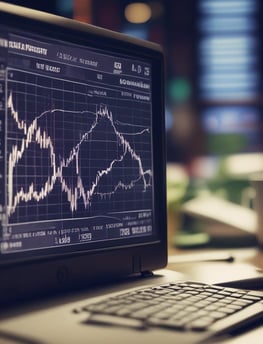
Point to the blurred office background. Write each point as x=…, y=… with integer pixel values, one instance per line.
x=214, y=95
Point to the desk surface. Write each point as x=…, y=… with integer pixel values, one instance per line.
x=196, y=264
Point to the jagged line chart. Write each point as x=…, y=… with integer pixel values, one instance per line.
x=64, y=171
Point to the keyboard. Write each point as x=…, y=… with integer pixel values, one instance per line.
x=181, y=306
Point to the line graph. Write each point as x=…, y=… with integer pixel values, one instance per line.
x=71, y=155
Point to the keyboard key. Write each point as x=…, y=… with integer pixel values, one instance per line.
x=217, y=315
x=201, y=324
x=178, y=324
x=251, y=297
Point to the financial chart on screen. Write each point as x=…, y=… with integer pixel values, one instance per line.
x=76, y=158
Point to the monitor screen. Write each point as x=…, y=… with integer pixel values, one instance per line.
x=76, y=139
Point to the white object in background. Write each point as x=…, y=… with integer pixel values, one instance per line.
x=217, y=209
x=244, y=164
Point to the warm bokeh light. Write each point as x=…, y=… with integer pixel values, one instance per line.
x=83, y=10
x=137, y=13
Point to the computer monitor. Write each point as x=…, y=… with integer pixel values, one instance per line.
x=82, y=173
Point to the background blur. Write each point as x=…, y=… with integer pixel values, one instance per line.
x=214, y=93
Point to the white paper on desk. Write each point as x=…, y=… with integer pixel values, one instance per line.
x=217, y=209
